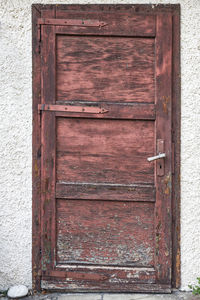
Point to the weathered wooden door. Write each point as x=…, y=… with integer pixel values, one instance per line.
x=106, y=106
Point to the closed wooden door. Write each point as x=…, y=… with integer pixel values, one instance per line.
x=106, y=107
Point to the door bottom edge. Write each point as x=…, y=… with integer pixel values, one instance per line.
x=134, y=288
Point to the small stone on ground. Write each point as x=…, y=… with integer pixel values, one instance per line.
x=17, y=291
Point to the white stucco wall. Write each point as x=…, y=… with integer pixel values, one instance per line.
x=16, y=127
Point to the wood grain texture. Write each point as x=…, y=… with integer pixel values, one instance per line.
x=48, y=140
x=134, y=9
x=119, y=24
x=106, y=275
x=36, y=156
x=176, y=121
x=58, y=285
x=105, y=69
x=112, y=151
x=132, y=192
x=163, y=222
x=105, y=232
x=128, y=275
x=52, y=280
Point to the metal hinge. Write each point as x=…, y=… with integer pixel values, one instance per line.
x=71, y=22
x=72, y=109
x=66, y=22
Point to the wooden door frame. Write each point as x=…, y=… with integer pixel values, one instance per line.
x=39, y=10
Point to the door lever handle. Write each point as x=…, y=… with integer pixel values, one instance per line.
x=160, y=155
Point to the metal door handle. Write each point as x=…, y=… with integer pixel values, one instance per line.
x=160, y=155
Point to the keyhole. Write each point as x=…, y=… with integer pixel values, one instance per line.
x=160, y=166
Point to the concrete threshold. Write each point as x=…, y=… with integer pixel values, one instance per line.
x=111, y=296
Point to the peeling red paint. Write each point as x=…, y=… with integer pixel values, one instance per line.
x=103, y=205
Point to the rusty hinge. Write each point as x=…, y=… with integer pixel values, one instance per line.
x=71, y=22
x=73, y=109
x=66, y=22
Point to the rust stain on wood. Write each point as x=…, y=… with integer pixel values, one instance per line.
x=167, y=182
x=36, y=169
x=178, y=263
x=166, y=101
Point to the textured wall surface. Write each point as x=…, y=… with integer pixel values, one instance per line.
x=16, y=127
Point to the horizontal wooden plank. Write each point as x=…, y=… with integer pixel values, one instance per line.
x=126, y=24
x=50, y=284
x=144, y=9
x=131, y=192
x=106, y=274
x=105, y=151
x=104, y=69
x=105, y=233
x=129, y=111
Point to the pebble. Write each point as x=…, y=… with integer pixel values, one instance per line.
x=17, y=291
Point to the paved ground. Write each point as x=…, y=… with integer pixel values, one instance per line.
x=57, y=296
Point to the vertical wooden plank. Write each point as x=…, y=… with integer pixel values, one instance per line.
x=163, y=131
x=36, y=154
x=176, y=109
x=48, y=148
